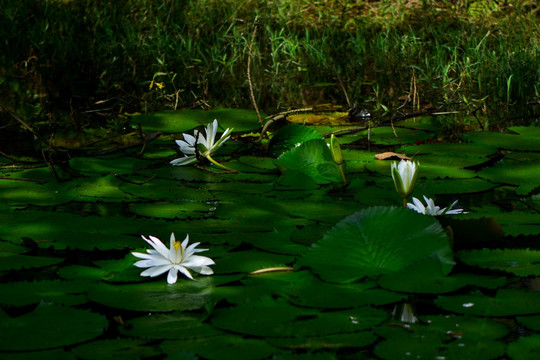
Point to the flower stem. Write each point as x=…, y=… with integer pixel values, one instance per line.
x=343, y=174
x=404, y=202
x=221, y=166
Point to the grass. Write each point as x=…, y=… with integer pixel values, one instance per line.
x=81, y=62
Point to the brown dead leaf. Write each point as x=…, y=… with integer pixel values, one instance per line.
x=391, y=155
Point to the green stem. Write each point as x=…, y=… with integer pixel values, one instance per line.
x=221, y=166
x=343, y=174
x=404, y=202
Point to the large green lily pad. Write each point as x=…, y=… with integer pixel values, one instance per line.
x=377, y=241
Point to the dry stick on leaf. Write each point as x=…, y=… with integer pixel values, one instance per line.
x=280, y=116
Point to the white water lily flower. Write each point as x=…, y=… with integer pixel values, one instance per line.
x=205, y=144
x=179, y=258
x=404, y=174
x=432, y=209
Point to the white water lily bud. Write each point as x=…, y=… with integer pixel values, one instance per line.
x=404, y=174
x=335, y=149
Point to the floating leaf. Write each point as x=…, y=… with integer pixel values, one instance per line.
x=154, y=296
x=525, y=348
x=425, y=277
x=289, y=137
x=248, y=261
x=515, y=169
x=24, y=293
x=19, y=262
x=177, y=325
x=529, y=141
x=532, y=322
x=325, y=342
x=520, y=262
x=187, y=119
x=313, y=158
x=71, y=326
x=220, y=348
x=507, y=302
x=448, y=337
x=287, y=320
x=377, y=241
x=116, y=349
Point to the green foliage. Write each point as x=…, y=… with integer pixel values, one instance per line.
x=149, y=55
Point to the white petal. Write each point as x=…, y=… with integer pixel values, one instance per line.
x=172, y=276
x=196, y=261
x=142, y=255
x=159, y=246
x=186, y=160
x=156, y=271
x=184, y=271
x=419, y=207
x=190, y=140
x=153, y=262
x=205, y=270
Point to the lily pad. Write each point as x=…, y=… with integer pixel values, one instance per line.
x=312, y=158
x=18, y=262
x=525, y=348
x=377, y=241
x=528, y=141
x=315, y=344
x=23, y=293
x=515, y=169
x=250, y=260
x=176, y=325
x=187, y=119
x=287, y=320
x=444, y=337
x=222, y=347
x=71, y=326
x=425, y=277
x=532, y=322
x=289, y=137
x=507, y=302
x=153, y=296
x=117, y=349
x=519, y=262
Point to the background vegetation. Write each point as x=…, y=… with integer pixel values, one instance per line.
x=75, y=63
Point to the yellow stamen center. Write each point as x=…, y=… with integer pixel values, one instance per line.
x=177, y=245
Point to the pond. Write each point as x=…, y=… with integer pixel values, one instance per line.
x=305, y=266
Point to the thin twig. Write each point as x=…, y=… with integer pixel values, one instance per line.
x=50, y=164
x=40, y=181
x=26, y=126
x=250, y=54
x=136, y=182
x=342, y=87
